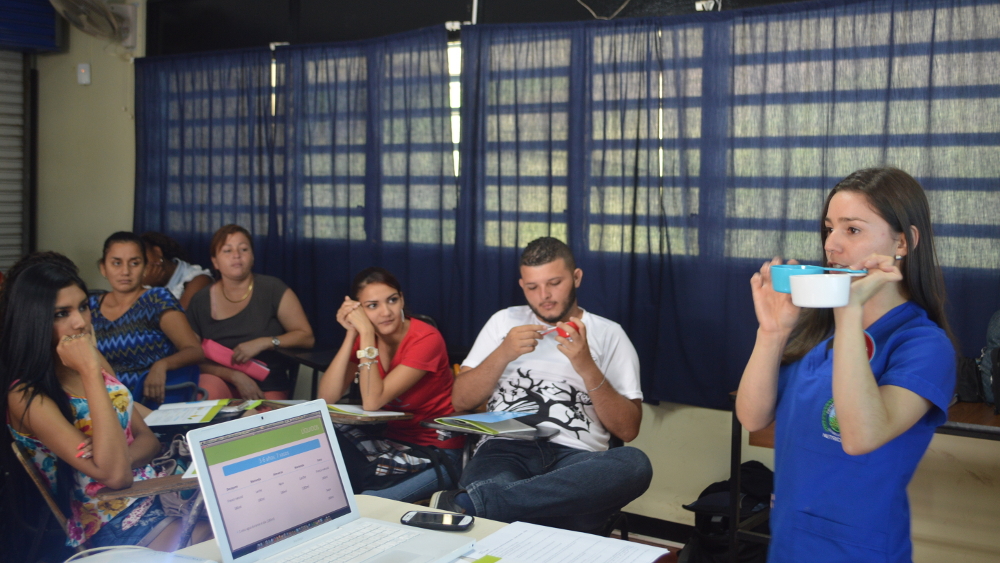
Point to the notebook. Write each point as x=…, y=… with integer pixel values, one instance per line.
x=276, y=488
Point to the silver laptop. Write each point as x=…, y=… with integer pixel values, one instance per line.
x=276, y=489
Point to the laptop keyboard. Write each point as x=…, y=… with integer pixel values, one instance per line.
x=367, y=540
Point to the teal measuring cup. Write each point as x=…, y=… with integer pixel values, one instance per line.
x=781, y=273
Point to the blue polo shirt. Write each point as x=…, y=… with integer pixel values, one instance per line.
x=834, y=507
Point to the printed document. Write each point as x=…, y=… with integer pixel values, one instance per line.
x=185, y=413
x=356, y=410
x=531, y=543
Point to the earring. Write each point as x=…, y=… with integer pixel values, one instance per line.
x=898, y=257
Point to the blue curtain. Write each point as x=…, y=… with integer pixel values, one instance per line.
x=366, y=145
x=674, y=155
x=204, y=146
x=360, y=145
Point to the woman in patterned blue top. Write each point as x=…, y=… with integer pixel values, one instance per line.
x=142, y=332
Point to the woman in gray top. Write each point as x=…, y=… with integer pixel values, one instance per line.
x=251, y=313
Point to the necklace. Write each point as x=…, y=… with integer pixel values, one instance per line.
x=241, y=299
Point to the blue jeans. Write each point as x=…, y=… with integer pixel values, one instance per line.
x=423, y=484
x=554, y=485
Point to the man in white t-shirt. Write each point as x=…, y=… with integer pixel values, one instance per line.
x=585, y=384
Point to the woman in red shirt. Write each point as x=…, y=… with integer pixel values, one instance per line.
x=401, y=364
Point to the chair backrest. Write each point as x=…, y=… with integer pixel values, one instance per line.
x=43, y=488
x=197, y=393
x=426, y=318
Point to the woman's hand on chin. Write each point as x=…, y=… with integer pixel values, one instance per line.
x=359, y=320
x=77, y=352
x=881, y=271
x=345, y=310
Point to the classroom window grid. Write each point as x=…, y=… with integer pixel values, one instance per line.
x=807, y=94
x=810, y=94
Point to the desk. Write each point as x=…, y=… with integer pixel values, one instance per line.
x=371, y=507
x=542, y=433
x=149, y=487
x=339, y=418
x=318, y=360
x=971, y=420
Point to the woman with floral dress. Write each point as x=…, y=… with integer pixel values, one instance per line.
x=67, y=410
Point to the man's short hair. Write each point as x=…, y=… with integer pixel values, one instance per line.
x=546, y=249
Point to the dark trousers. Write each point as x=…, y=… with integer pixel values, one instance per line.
x=554, y=485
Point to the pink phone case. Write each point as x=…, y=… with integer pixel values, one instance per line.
x=224, y=356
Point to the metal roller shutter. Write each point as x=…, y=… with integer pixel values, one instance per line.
x=12, y=166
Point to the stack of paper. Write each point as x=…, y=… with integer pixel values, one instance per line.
x=491, y=423
x=185, y=413
x=356, y=410
x=531, y=543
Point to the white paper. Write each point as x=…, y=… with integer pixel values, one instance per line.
x=181, y=413
x=358, y=411
x=530, y=543
x=192, y=404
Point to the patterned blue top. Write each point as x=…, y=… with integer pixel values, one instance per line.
x=134, y=342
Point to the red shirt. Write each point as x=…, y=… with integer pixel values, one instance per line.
x=422, y=348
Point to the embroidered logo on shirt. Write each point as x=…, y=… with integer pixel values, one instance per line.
x=869, y=345
x=831, y=428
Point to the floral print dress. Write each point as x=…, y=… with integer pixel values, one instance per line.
x=89, y=514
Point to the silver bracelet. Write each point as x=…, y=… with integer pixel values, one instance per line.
x=366, y=364
x=599, y=386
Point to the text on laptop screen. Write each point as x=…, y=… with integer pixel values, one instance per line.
x=274, y=481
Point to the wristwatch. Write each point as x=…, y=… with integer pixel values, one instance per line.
x=275, y=341
x=369, y=353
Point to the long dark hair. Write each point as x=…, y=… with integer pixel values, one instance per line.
x=377, y=275
x=374, y=275
x=27, y=355
x=899, y=200
x=27, y=358
x=169, y=247
x=124, y=236
x=23, y=264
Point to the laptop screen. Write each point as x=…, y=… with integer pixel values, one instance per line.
x=274, y=481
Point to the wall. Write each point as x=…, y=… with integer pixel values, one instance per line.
x=86, y=149
x=86, y=185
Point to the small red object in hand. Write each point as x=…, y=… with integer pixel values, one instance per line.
x=565, y=334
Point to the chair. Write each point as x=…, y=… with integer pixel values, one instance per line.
x=197, y=393
x=43, y=488
x=150, y=486
x=742, y=529
x=426, y=318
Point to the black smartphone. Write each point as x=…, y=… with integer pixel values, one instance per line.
x=447, y=521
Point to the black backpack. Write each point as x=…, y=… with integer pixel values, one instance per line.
x=989, y=364
x=978, y=380
x=710, y=541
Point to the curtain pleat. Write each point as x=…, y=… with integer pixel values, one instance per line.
x=674, y=155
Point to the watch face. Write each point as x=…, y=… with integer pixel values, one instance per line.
x=370, y=353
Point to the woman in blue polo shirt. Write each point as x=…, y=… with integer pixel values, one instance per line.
x=856, y=391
